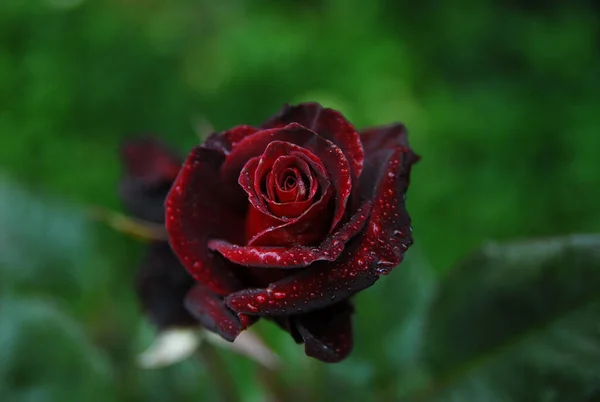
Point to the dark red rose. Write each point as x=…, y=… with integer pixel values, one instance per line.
x=289, y=220
x=161, y=281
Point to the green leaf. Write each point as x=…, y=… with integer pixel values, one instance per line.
x=46, y=355
x=44, y=243
x=517, y=322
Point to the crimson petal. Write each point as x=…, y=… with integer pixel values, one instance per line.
x=246, y=181
x=329, y=124
x=225, y=141
x=149, y=170
x=196, y=213
x=161, y=284
x=255, y=170
x=375, y=251
x=295, y=256
x=331, y=156
x=327, y=333
x=208, y=308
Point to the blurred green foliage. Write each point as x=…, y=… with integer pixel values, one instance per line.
x=501, y=100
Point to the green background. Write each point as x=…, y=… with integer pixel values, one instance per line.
x=501, y=100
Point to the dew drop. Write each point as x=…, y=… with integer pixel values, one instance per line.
x=252, y=307
x=384, y=267
x=279, y=295
x=261, y=299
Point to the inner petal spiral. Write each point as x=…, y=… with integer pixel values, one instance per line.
x=284, y=185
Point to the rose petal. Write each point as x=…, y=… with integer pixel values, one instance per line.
x=331, y=156
x=308, y=181
x=256, y=172
x=246, y=181
x=296, y=256
x=262, y=227
x=379, y=144
x=208, y=308
x=225, y=141
x=384, y=137
x=149, y=160
x=149, y=170
x=161, y=285
x=197, y=212
x=309, y=227
x=303, y=175
x=327, y=333
x=375, y=251
x=329, y=124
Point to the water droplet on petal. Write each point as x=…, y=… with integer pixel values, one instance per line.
x=384, y=267
x=279, y=295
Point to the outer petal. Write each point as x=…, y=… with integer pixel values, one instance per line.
x=327, y=333
x=197, y=212
x=329, y=124
x=295, y=256
x=149, y=170
x=208, y=308
x=149, y=160
x=378, y=143
x=225, y=141
x=375, y=251
x=161, y=284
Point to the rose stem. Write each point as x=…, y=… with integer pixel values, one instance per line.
x=128, y=225
x=218, y=371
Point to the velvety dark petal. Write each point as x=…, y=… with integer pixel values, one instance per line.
x=375, y=251
x=311, y=179
x=331, y=156
x=289, y=210
x=327, y=333
x=329, y=124
x=254, y=145
x=225, y=141
x=271, y=159
x=296, y=256
x=271, y=185
x=246, y=181
x=149, y=170
x=378, y=143
x=208, y=308
x=161, y=285
x=277, y=185
x=283, y=169
x=384, y=137
x=196, y=213
x=262, y=227
x=308, y=228
x=149, y=160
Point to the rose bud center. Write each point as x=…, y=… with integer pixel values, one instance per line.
x=287, y=188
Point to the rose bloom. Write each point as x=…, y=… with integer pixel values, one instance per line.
x=288, y=221
x=161, y=282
